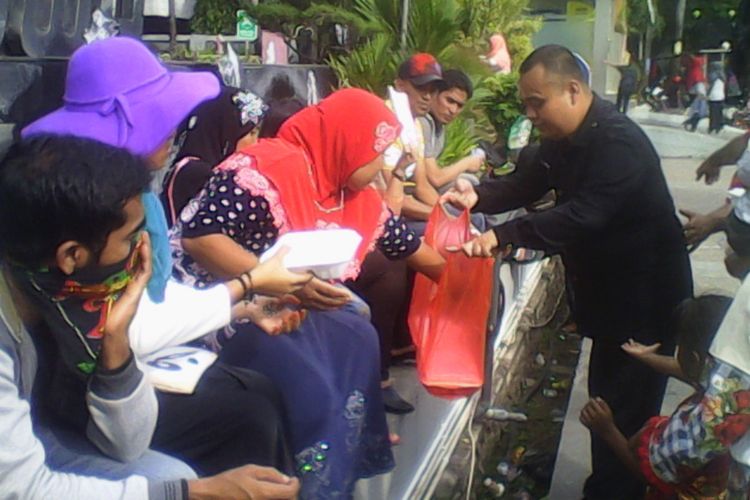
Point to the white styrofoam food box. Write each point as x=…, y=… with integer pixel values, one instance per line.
x=324, y=252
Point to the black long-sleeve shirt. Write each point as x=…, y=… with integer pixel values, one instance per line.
x=614, y=223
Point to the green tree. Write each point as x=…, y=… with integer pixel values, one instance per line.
x=639, y=17
x=214, y=16
x=454, y=31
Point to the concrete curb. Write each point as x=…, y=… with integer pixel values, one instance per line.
x=642, y=114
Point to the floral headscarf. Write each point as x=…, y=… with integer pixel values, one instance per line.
x=212, y=131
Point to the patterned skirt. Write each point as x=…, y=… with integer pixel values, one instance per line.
x=328, y=374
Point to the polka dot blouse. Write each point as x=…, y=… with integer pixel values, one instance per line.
x=226, y=208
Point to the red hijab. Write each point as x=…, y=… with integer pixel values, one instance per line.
x=315, y=153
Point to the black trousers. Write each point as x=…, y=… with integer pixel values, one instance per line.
x=715, y=116
x=383, y=285
x=634, y=392
x=235, y=417
x=623, y=99
x=692, y=123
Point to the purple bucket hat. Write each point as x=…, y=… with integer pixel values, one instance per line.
x=118, y=92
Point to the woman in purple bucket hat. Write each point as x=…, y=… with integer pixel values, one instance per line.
x=117, y=92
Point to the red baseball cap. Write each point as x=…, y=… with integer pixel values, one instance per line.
x=421, y=69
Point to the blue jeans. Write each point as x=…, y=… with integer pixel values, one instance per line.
x=70, y=452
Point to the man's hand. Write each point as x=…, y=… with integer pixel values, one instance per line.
x=476, y=158
x=273, y=315
x=698, y=226
x=484, y=245
x=404, y=161
x=462, y=195
x=115, y=350
x=250, y=482
x=318, y=294
x=597, y=417
x=272, y=278
x=475, y=165
x=640, y=351
x=709, y=169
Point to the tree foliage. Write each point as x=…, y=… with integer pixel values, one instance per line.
x=454, y=31
x=639, y=17
x=214, y=16
x=500, y=101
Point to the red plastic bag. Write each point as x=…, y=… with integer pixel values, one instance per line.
x=448, y=320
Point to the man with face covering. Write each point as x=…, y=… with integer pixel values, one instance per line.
x=614, y=226
x=71, y=225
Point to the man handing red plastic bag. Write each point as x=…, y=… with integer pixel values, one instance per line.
x=448, y=319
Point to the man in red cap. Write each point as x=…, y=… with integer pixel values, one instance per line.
x=418, y=77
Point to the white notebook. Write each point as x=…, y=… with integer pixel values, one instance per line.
x=178, y=369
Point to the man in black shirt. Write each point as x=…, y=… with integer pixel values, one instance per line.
x=614, y=225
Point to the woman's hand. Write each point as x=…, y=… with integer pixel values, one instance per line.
x=321, y=295
x=428, y=261
x=272, y=278
x=399, y=171
x=272, y=315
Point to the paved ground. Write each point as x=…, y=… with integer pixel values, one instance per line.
x=681, y=152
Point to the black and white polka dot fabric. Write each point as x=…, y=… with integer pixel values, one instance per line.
x=226, y=208
x=397, y=241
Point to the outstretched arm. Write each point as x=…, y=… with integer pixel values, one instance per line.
x=648, y=355
x=699, y=227
x=597, y=417
x=428, y=261
x=729, y=154
x=440, y=176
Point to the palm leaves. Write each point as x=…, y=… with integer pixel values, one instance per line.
x=372, y=66
x=434, y=27
x=385, y=14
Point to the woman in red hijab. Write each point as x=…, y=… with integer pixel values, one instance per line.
x=316, y=174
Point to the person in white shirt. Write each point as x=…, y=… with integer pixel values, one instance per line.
x=716, y=97
x=734, y=215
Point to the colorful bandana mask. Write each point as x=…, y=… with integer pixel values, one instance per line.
x=75, y=307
